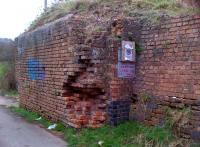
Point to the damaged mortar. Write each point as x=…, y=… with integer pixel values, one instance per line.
x=66, y=74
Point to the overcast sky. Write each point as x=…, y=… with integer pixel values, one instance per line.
x=17, y=15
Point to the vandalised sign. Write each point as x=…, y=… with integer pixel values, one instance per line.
x=128, y=51
x=126, y=59
x=126, y=70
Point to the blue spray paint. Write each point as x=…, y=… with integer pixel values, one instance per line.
x=36, y=70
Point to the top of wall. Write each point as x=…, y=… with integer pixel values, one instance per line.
x=102, y=11
x=31, y=38
x=39, y=33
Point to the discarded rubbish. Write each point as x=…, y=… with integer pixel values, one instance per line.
x=38, y=118
x=100, y=143
x=52, y=126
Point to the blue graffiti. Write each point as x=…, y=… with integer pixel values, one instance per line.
x=36, y=70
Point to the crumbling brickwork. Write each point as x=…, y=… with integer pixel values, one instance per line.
x=67, y=75
x=60, y=75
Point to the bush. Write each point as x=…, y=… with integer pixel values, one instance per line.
x=7, y=76
x=7, y=67
x=7, y=50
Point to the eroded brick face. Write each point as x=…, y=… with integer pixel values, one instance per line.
x=61, y=75
x=66, y=75
x=168, y=70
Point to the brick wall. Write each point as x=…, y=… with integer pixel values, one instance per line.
x=66, y=74
x=60, y=73
x=168, y=71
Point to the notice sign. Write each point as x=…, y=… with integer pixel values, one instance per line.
x=128, y=51
x=126, y=70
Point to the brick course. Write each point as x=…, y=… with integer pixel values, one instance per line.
x=75, y=77
x=167, y=69
x=72, y=90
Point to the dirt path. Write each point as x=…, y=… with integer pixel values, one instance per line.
x=16, y=132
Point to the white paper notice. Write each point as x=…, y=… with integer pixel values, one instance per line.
x=129, y=50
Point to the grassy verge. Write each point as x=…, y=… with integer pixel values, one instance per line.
x=130, y=134
x=11, y=93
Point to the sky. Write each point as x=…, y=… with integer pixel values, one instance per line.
x=17, y=15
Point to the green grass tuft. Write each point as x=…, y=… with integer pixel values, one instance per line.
x=28, y=115
x=11, y=93
x=7, y=78
x=129, y=134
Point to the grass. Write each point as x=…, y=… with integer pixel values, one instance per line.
x=129, y=134
x=30, y=116
x=3, y=69
x=11, y=93
x=7, y=79
x=144, y=9
x=149, y=10
x=60, y=10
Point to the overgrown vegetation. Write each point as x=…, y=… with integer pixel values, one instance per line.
x=177, y=119
x=12, y=93
x=7, y=67
x=138, y=49
x=148, y=10
x=144, y=97
x=129, y=134
x=7, y=78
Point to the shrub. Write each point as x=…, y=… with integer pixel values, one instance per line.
x=7, y=76
x=7, y=68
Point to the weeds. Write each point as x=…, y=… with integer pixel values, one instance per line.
x=130, y=134
x=3, y=69
x=11, y=93
x=177, y=119
x=61, y=9
x=149, y=10
x=144, y=97
x=7, y=77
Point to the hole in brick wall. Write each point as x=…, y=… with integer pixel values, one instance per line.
x=134, y=98
x=119, y=37
x=84, y=101
x=114, y=24
x=43, y=68
x=130, y=38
